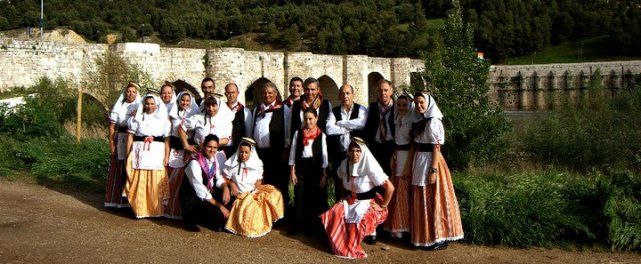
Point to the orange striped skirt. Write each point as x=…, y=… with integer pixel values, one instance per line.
x=435, y=211
x=398, y=220
x=116, y=179
x=172, y=209
x=253, y=214
x=345, y=238
x=146, y=190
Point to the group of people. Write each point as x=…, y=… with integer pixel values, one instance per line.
x=170, y=159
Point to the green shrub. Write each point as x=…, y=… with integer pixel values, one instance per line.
x=623, y=209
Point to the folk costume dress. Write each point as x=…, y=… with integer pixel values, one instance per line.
x=116, y=178
x=147, y=187
x=435, y=215
x=255, y=209
x=203, y=181
x=177, y=157
x=350, y=220
x=309, y=155
x=398, y=220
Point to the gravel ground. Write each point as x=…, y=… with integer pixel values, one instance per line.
x=41, y=224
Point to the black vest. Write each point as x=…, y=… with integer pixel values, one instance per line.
x=187, y=191
x=297, y=107
x=238, y=131
x=373, y=122
x=333, y=141
x=276, y=128
x=317, y=149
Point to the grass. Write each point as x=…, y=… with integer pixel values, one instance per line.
x=594, y=49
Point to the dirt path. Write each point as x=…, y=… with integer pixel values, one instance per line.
x=42, y=225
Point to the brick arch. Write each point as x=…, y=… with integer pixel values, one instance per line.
x=372, y=80
x=182, y=85
x=329, y=88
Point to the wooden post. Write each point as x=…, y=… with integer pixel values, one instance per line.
x=79, y=115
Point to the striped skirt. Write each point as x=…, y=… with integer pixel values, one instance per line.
x=398, y=220
x=253, y=214
x=116, y=179
x=146, y=190
x=435, y=211
x=172, y=209
x=345, y=238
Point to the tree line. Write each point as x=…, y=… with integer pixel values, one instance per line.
x=503, y=28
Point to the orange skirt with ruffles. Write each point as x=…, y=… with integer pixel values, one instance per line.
x=253, y=214
x=146, y=190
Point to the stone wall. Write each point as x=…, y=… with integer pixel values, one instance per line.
x=23, y=62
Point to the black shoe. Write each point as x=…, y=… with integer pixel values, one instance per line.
x=192, y=228
x=370, y=240
x=438, y=246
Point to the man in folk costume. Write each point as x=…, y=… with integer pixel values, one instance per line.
x=312, y=99
x=379, y=128
x=345, y=121
x=243, y=120
x=207, y=86
x=295, y=91
x=435, y=215
x=271, y=133
x=354, y=218
x=123, y=109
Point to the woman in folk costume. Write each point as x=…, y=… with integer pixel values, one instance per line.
x=204, y=193
x=308, y=163
x=183, y=108
x=257, y=206
x=123, y=109
x=398, y=220
x=435, y=216
x=168, y=95
x=147, y=187
x=350, y=220
x=214, y=118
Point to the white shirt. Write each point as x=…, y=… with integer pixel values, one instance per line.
x=195, y=175
x=261, y=129
x=203, y=126
x=389, y=135
x=402, y=128
x=120, y=117
x=246, y=179
x=307, y=150
x=345, y=126
x=249, y=120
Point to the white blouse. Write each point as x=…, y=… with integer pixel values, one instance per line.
x=361, y=183
x=245, y=179
x=434, y=133
x=121, y=117
x=216, y=125
x=195, y=175
x=402, y=128
x=307, y=150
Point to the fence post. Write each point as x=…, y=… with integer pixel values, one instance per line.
x=79, y=115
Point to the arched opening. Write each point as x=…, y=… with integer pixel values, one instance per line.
x=254, y=93
x=329, y=88
x=185, y=86
x=372, y=82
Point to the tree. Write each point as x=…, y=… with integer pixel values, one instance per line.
x=476, y=132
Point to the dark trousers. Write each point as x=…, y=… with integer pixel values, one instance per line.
x=383, y=153
x=337, y=158
x=275, y=170
x=198, y=212
x=310, y=199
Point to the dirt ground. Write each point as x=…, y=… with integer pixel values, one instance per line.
x=44, y=225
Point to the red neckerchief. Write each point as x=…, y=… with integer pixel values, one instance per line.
x=316, y=103
x=238, y=107
x=262, y=110
x=289, y=102
x=310, y=134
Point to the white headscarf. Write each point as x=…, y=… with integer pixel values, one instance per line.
x=233, y=164
x=120, y=103
x=160, y=113
x=192, y=109
x=223, y=109
x=410, y=110
x=432, y=109
x=366, y=165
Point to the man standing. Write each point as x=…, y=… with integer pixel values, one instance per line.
x=207, y=86
x=243, y=121
x=379, y=128
x=295, y=91
x=271, y=132
x=313, y=98
x=345, y=121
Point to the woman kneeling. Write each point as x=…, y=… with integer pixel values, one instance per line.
x=350, y=220
x=257, y=206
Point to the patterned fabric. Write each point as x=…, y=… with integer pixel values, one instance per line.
x=115, y=183
x=435, y=211
x=253, y=213
x=345, y=238
x=146, y=190
x=176, y=176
